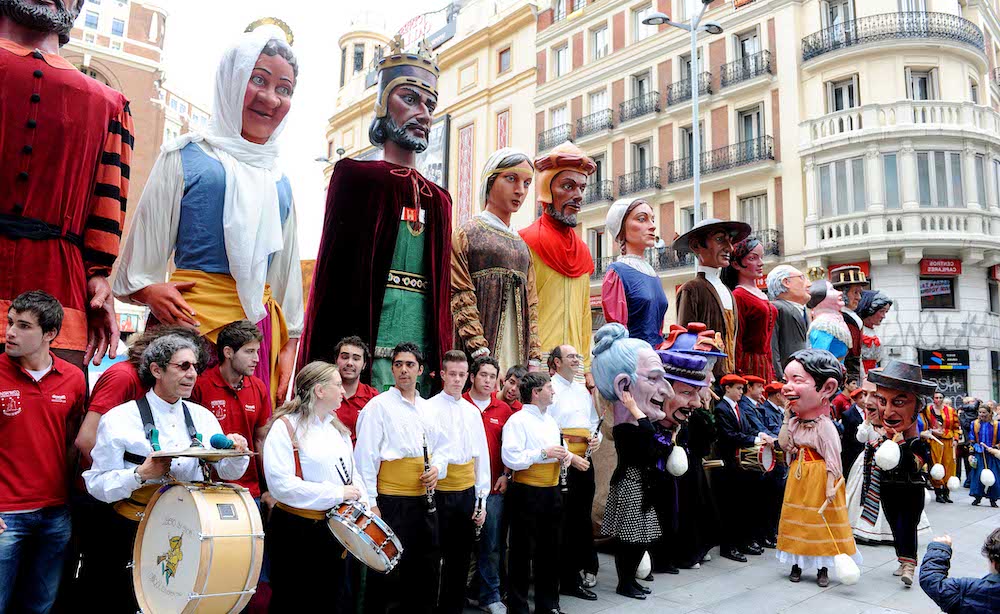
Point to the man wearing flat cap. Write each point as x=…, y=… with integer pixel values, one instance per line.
x=705, y=298
x=851, y=280
x=562, y=261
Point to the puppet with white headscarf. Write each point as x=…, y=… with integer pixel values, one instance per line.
x=219, y=204
x=494, y=300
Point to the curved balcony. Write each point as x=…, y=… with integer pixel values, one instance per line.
x=639, y=106
x=639, y=181
x=723, y=159
x=892, y=26
x=599, y=191
x=681, y=90
x=594, y=123
x=554, y=136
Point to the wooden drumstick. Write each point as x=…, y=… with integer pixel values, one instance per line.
x=836, y=487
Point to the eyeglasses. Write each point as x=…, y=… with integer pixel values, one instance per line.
x=574, y=356
x=184, y=366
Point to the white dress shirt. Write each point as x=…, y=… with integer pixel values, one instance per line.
x=463, y=425
x=111, y=478
x=391, y=428
x=525, y=435
x=714, y=277
x=323, y=450
x=573, y=405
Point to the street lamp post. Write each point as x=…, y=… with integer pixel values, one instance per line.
x=694, y=26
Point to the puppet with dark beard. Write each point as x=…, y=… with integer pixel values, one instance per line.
x=43, y=15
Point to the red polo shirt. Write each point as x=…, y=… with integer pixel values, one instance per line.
x=118, y=385
x=34, y=418
x=350, y=408
x=841, y=403
x=240, y=411
x=494, y=417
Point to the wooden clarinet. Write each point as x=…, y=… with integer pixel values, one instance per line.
x=597, y=430
x=431, y=505
x=563, y=468
x=479, y=510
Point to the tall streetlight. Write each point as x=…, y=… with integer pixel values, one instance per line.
x=694, y=26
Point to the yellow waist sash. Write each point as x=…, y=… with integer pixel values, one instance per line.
x=539, y=474
x=301, y=513
x=578, y=448
x=401, y=477
x=135, y=506
x=216, y=304
x=460, y=477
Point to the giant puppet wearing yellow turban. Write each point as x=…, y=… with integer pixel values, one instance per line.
x=561, y=259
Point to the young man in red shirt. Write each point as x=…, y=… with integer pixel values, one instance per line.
x=509, y=392
x=352, y=358
x=483, y=394
x=41, y=404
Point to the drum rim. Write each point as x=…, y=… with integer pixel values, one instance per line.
x=389, y=563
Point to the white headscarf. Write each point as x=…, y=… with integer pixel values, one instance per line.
x=251, y=221
x=492, y=164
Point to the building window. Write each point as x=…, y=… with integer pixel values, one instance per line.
x=687, y=217
x=561, y=60
x=685, y=65
x=641, y=156
x=842, y=95
x=599, y=43
x=117, y=27
x=912, y=6
x=939, y=179
x=343, y=64
x=359, y=57
x=921, y=84
x=598, y=175
x=750, y=123
x=503, y=61
x=559, y=11
x=182, y=108
x=842, y=187
x=973, y=91
x=89, y=37
x=753, y=211
x=937, y=292
x=116, y=45
x=687, y=140
x=641, y=84
x=994, y=291
x=981, y=180
x=91, y=20
x=598, y=101
x=640, y=30
x=597, y=243
x=996, y=179
x=890, y=171
x=173, y=103
x=558, y=117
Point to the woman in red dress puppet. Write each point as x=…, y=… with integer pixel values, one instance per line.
x=757, y=316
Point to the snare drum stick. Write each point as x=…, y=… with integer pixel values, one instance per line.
x=836, y=487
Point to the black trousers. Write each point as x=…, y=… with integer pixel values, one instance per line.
x=733, y=489
x=903, y=504
x=577, y=549
x=413, y=585
x=627, y=559
x=455, y=511
x=307, y=565
x=535, y=517
x=105, y=579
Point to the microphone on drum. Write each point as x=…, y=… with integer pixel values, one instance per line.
x=221, y=442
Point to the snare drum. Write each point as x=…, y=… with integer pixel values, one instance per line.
x=199, y=548
x=758, y=458
x=365, y=535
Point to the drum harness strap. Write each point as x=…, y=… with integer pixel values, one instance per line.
x=295, y=446
x=153, y=434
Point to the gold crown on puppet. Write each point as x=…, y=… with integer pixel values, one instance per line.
x=419, y=69
x=273, y=21
x=816, y=273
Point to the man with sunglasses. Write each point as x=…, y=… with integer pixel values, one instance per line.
x=125, y=474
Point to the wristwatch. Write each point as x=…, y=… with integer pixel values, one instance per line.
x=544, y=454
x=138, y=478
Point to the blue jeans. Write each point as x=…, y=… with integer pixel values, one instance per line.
x=32, y=550
x=488, y=565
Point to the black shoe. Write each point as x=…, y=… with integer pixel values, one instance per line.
x=667, y=568
x=579, y=592
x=993, y=503
x=977, y=500
x=939, y=498
x=644, y=589
x=648, y=578
x=733, y=555
x=752, y=549
x=796, y=575
x=822, y=578
x=947, y=496
x=770, y=543
x=630, y=591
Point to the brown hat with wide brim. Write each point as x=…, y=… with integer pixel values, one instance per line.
x=737, y=231
x=845, y=276
x=905, y=376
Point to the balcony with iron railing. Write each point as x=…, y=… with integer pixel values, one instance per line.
x=745, y=69
x=599, y=191
x=594, y=123
x=724, y=158
x=639, y=106
x=681, y=90
x=892, y=26
x=554, y=136
x=639, y=181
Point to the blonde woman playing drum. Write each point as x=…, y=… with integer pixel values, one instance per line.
x=307, y=478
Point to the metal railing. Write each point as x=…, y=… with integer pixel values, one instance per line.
x=593, y=123
x=554, y=136
x=598, y=191
x=746, y=68
x=723, y=158
x=892, y=26
x=639, y=106
x=639, y=181
x=995, y=75
x=681, y=90
x=770, y=239
x=661, y=259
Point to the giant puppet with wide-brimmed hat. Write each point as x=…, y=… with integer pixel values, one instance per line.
x=706, y=298
x=851, y=280
x=387, y=234
x=561, y=259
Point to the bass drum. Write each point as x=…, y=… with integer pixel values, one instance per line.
x=199, y=548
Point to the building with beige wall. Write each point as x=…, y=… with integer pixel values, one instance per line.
x=844, y=131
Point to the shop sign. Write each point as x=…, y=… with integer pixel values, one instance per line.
x=944, y=359
x=595, y=301
x=940, y=266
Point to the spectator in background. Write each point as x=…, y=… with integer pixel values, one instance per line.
x=510, y=392
x=961, y=594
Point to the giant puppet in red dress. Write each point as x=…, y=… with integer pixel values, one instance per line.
x=65, y=149
x=756, y=315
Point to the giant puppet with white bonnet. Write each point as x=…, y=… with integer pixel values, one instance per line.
x=218, y=202
x=494, y=299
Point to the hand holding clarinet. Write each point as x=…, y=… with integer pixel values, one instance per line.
x=429, y=479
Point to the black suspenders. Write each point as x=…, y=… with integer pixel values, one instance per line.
x=151, y=433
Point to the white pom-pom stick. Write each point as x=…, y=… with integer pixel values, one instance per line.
x=987, y=478
x=937, y=471
x=887, y=455
x=954, y=483
x=846, y=569
x=645, y=566
x=677, y=462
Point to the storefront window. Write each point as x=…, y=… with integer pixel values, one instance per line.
x=937, y=292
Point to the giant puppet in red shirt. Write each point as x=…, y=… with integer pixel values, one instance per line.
x=65, y=149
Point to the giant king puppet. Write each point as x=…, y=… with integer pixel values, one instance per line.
x=384, y=262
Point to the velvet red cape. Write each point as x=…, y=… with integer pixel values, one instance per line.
x=559, y=247
x=364, y=205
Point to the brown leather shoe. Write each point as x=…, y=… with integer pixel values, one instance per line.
x=907, y=578
x=796, y=575
x=899, y=570
x=822, y=577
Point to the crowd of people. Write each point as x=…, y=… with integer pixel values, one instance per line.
x=446, y=380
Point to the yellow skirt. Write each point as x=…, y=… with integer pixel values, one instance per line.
x=943, y=453
x=802, y=531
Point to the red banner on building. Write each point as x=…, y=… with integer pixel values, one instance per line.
x=995, y=272
x=940, y=266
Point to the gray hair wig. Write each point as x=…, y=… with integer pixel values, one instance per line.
x=775, y=279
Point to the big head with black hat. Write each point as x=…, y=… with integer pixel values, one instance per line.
x=850, y=280
x=899, y=391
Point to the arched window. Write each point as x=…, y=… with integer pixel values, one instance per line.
x=93, y=74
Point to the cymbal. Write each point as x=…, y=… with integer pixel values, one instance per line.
x=207, y=454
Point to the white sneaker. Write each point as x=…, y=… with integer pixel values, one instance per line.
x=497, y=607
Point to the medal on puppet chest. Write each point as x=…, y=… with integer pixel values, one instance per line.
x=415, y=216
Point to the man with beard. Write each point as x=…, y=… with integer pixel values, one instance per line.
x=705, y=298
x=851, y=280
x=561, y=258
x=65, y=149
x=788, y=290
x=352, y=357
x=396, y=225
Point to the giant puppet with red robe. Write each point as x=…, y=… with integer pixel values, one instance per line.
x=383, y=271
x=65, y=150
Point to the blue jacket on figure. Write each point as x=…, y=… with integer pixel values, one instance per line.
x=957, y=595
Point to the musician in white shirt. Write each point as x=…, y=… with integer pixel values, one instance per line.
x=309, y=466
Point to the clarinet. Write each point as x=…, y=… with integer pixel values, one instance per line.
x=597, y=430
x=431, y=505
x=563, y=469
x=479, y=509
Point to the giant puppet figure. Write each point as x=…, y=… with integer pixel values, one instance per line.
x=827, y=331
x=757, y=316
x=219, y=204
x=788, y=289
x=65, y=150
x=561, y=259
x=705, y=298
x=494, y=298
x=384, y=266
x=851, y=280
